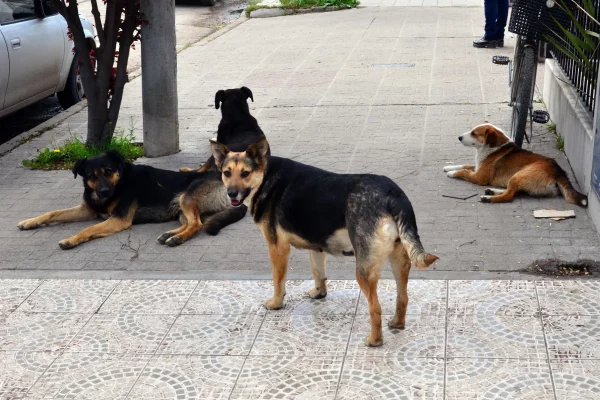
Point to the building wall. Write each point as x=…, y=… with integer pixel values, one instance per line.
x=576, y=126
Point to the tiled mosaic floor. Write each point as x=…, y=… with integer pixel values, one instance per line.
x=213, y=340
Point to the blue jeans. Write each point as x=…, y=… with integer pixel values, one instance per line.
x=496, y=14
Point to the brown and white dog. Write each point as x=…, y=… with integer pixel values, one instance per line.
x=499, y=162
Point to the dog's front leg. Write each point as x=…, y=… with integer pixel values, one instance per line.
x=280, y=254
x=79, y=213
x=449, y=168
x=469, y=176
x=105, y=228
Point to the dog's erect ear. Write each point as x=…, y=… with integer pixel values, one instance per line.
x=258, y=150
x=248, y=93
x=219, y=97
x=116, y=157
x=219, y=152
x=79, y=167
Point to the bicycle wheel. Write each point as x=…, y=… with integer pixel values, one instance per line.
x=523, y=97
x=516, y=68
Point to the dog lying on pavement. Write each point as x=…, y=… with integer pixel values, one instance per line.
x=238, y=129
x=131, y=194
x=367, y=216
x=500, y=163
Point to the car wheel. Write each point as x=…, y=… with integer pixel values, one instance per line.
x=207, y=3
x=73, y=92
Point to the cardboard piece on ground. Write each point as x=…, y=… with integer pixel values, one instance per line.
x=555, y=215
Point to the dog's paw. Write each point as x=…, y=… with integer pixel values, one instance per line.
x=162, y=239
x=395, y=324
x=451, y=174
x=486, y=199
x=66, y=244
x=185, y=169
x=449, y=168
x=273, y=303
x=317, y=294
x=28, y=224
x=489, y=192
x=373, y=342
x=174, y=241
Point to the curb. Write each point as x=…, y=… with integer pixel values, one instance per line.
x=47, y=125
x=41, y=128
x=278, y=11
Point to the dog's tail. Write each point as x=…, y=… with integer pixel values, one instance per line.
x=213, y=224
x=409, y=236
x=569, y=193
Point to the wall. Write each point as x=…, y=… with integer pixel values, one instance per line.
x=576, y=125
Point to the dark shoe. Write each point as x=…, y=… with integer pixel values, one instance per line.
x=488, y=44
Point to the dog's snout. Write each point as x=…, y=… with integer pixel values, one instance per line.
x=232, y=193
x=460, y=138
x=104, y=192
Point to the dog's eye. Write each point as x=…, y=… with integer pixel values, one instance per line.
x=91, y=177
x=472, y=133
x=227, y=174
x=245, y=174
x=108, y=172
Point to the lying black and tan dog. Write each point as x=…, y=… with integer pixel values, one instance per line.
x=294, y=204
x=238, y=129
x=131, y=194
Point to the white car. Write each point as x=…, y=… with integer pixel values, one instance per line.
x=36, y=55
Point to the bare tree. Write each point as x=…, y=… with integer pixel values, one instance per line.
x=103, y=81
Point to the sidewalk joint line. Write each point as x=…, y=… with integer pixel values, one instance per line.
x=545, y=341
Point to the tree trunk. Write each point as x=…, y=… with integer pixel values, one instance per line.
x=159, y=79
x=100, y=129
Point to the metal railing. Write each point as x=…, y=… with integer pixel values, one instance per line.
x=584, y=82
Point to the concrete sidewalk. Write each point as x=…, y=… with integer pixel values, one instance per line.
x=213, y=340
x=384, y=90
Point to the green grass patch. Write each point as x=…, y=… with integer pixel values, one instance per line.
x=64, y=157
x=560, y=142
x=296, y=4
x=552, y=127
x=252, y=5
x=299, y=4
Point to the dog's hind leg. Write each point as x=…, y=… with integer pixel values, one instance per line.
x=493, y=191
x=401, y=268
x=317, y=266
x=79, y=213
x=367, y=275
x=505, y=196
x=189, y=208
x=279, y=253
x=162, y=239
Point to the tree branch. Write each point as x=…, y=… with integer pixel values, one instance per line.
x=125, y=41
x=99, y=28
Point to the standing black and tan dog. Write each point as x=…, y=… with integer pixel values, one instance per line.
x=499, y=162
x=367, y=216
x=131, y=194
x=238, y=129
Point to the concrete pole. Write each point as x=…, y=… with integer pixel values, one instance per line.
x=159, y=78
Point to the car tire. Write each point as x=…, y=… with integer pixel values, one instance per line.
x=73, y=92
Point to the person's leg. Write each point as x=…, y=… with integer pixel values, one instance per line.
x=502, y=17
x=490, y=8
x=489, y=39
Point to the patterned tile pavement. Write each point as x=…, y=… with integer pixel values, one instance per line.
x=97, y=339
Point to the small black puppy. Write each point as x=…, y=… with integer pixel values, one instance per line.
x=238, y=129
x=131, y=194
